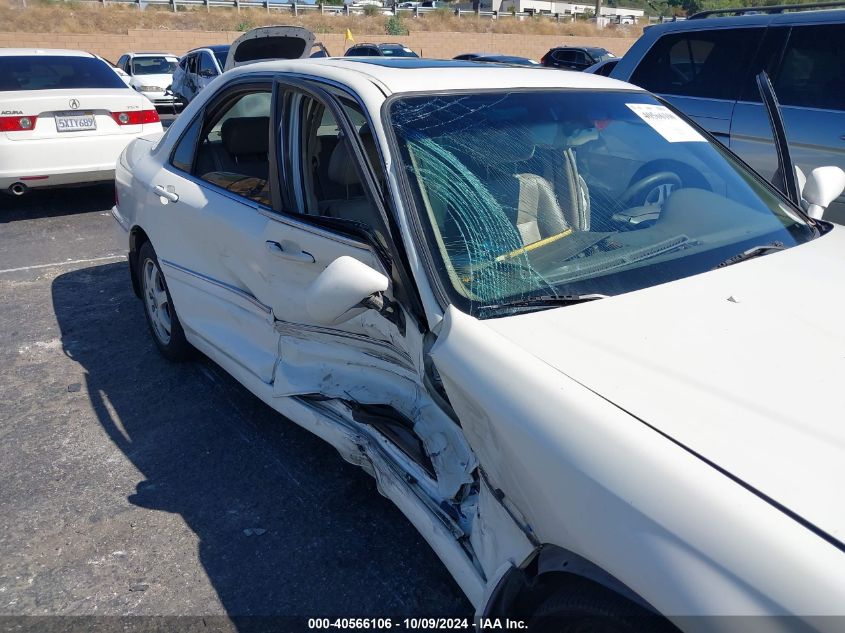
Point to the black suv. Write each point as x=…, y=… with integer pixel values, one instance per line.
x=575, y=57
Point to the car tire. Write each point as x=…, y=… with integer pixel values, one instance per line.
x=164, y=324
x=585, y=607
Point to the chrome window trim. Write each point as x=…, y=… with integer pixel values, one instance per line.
x=291, y=221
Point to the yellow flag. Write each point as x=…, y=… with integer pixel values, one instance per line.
x=348, y=37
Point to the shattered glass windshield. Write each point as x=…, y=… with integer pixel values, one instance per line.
x=528, y=195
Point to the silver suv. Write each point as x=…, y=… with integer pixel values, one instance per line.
x=705, y=66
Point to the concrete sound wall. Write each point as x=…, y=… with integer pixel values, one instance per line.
x=425, y=43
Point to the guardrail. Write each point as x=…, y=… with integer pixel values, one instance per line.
x=296, y=8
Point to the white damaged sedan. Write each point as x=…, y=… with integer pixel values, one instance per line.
x=589, y=354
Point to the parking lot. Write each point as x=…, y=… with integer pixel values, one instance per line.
x=132, y=486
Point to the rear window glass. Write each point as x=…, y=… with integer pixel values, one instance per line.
x=46, y=72
x=397, y=51
x=154, y=65
x=270, y=48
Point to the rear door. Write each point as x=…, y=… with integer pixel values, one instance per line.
x=564, y=58
x=807, y=66
x=270, y=42
x=217, y=186
x=701, y=73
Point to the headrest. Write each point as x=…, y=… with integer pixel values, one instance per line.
x=245, y=136
x=341, y=169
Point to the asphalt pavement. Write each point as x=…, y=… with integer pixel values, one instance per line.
x=131, y=486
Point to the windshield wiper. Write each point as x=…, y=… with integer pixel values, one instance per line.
x=751, y=253
x=542, y=301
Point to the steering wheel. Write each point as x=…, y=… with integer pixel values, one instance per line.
x=651, y=189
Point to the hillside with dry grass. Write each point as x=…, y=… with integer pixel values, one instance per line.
x=46, y=16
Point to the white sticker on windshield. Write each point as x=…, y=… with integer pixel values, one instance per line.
x=666, y=123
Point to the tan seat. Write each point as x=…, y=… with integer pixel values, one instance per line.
x=342, y=171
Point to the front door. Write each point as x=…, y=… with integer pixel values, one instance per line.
x=807, y=68
x=333, y=187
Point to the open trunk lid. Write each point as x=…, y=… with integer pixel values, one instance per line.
x=270, y=42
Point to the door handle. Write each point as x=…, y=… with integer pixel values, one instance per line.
x=292, y=252
x=167, y=193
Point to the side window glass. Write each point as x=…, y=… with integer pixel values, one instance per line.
x=207, y=68
x=332, y=185
x=233, y=147
x=192, y=64
x=121, y=63
x=812, y=73
x=183, y=155
x=701, y=64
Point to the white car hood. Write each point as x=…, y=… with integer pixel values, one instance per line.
x=742, y=365
x=162, y=81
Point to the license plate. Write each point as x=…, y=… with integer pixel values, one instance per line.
x=75, y=122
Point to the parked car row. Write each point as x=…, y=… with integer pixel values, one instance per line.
x=545, y=310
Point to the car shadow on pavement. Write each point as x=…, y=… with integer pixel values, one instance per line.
x=51, y=203
x=284, y=526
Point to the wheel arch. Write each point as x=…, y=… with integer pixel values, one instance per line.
x=548, y=568
x=137, y=238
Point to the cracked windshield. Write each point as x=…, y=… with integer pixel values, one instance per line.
x=528, y=198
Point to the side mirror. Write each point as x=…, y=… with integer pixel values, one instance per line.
x=823, y=186
x=345, y=289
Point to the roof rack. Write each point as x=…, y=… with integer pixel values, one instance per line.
x=772, y=9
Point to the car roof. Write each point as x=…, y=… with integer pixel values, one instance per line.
x=401, y=75
x=503, y=57
x=832, y=16
x=58, y=52
x=151, y=54
x=214, y=48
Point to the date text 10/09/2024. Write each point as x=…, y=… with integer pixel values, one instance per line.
x=415, y=624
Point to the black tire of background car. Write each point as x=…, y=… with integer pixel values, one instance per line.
x=178, y=349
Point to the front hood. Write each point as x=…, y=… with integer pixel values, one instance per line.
x=161, y=81
x=742, y=365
